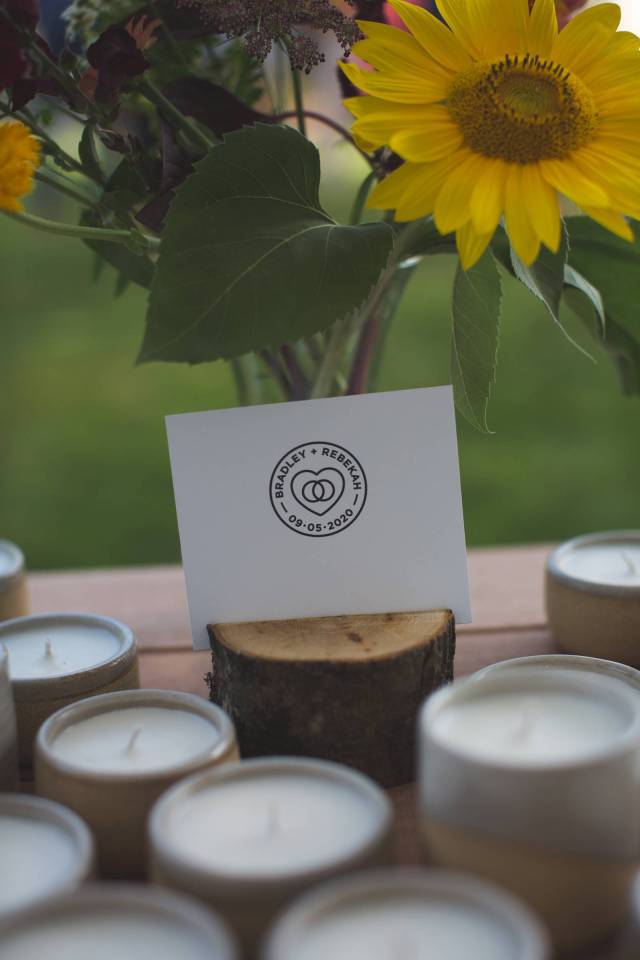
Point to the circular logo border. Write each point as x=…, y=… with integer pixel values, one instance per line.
x=331, y=533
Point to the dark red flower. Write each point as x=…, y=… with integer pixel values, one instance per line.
x=14, y=63
x=116, y=58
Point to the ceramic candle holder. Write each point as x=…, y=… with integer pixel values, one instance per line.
x=529, y=778
x=57, y=659
x=45, y=851
x=103, y=921
x=110, y=757
x=13, y=582
x=8, y=733
x=249, y=837
x=401, y=913
x=593, y=596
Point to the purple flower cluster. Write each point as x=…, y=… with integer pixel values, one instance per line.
x=261, y=23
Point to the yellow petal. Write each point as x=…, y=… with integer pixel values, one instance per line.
x=573, y=183
x=380, y=124
x=404, y=89
x=387, y=194
x=543, y=27
x=585, y=35
x=456, y=16
x=612, y=221
x=487, y=199
x=453, y=205
x=471, y=244
x=411, y=59
x=426, y=182
x=437, y=136
x=541, y=202
x=521, y=233
x=438, y=41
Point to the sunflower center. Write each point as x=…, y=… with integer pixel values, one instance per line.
x=522, y=109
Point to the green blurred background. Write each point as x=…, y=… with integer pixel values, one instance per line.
x=85, y=477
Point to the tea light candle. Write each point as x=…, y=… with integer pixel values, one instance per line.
x=593, y=595
x=46, y=850
x=407, y=915
x=529, y=776
x=112, y=920
x=13, y=582
x=56, y=659
x=8, y=735
x=248, y=837
x=110, y=757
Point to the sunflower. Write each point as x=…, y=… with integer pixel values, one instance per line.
x=19, y=157
x=497, y=114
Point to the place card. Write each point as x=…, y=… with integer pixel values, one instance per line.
x=320, y=508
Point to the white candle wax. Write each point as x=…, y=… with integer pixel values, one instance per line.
x=141, y=739
x=11, y=559
x=54, y=647
x=45, y=850
x=35, y=856
x=107, y=921
x=611, y=563
x=536, y=721
x=407, y=915
x=272, y=825
x=104, y=936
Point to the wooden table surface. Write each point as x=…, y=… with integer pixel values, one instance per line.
x=507, y=599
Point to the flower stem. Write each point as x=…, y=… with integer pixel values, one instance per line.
x=361, y=198
x=65, y=188
x=299, y=101
x=192, y=130
x=107, y=234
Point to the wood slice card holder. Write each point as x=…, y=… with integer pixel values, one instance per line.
x=346, y=689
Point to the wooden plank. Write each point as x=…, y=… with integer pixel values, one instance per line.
x=506, y=594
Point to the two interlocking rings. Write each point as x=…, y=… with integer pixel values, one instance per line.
x=318, y=491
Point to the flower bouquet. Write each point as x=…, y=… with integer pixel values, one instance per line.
x=501, y=131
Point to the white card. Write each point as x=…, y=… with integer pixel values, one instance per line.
x=320, y=508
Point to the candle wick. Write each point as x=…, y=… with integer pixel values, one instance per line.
x=525, y=724
x=48, y=648
x=273, y=824
x=631, y=567
x=133, y=739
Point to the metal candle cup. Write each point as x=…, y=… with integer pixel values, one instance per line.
x=109, y=758
x=8, y=732
x=45, y=851
x=593, y=595
x=13, y=582
x=103, y=921
x=541, y=793
x=385, y=913
x=249, y=837
x=56, y=659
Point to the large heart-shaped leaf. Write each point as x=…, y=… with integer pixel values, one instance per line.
x=477, y=300
x=249, y=259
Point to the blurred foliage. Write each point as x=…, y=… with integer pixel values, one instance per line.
x=85, y=477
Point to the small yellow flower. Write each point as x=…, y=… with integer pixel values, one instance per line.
x=499, y=115
x=19, y=157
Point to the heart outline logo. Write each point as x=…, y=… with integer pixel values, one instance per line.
x=317, y=492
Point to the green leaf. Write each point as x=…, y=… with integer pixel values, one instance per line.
x=576, y=281
x=249, y=259
x=620, y=345
x=544, y=278
x=132, y=267
x=612, y=265
x=477, y=301
x=422, y=238
x=88, y=154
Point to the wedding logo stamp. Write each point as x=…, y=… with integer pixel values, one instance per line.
x=318, y=489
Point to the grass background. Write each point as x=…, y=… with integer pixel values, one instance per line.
x=84, y=476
